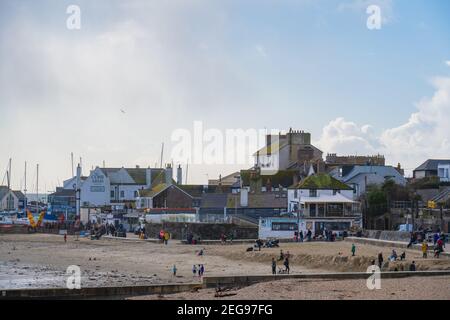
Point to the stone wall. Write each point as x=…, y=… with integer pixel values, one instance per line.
x=204, y=231
x=387, y=235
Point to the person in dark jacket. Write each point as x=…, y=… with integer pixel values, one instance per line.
x=412, y=267
x=286, y=264
x=380, y=260
x=274, y=266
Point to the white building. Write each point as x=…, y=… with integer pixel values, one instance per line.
x=286, y=227
x=325, y=202
x=11, y=200
x=113, y=186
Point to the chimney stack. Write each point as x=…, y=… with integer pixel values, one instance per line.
x=169, y=173
x=179, y=175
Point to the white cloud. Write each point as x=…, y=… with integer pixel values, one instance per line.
x=261, y=50
x=347, y=137
x=425, y=135
x=62, y=91
x=447, y=63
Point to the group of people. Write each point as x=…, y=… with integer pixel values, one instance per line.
x=283, y=257
x=192, y=240
x=300, y=236
x=224, y=238
x=198, y=270
x=394, y=257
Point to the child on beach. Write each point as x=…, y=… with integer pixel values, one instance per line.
x=174, y=270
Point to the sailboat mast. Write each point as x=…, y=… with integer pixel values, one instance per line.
x=9, y=174
x=71, y=155
x=162, y=154
x=25, y=190
x=37, y=188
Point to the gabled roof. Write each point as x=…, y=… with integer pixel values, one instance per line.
x=431, y=164
x=155, y=190
x=274, y=148
x=134, y=175
x=118, y=175
x=4, y=190
x=19, y=195
x=321, y=181
x=63, y=193
x=384, y=171
x=259, y=200
x=159, y=188
x=282, y=177
x=214, y=200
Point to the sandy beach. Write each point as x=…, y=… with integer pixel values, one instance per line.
x=40, y=260
x=414, y=288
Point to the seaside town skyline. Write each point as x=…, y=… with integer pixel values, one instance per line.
x=239, y=73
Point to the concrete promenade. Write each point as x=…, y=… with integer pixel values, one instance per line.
x=208, y=282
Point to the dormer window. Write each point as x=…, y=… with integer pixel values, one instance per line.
x=313, y=193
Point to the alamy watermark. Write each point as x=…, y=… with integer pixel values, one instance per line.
x=213, y=146
x=73, y=22
x=374, y=281
x=374, y=19
x=74, y=277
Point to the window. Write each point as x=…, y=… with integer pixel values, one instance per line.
x=284, y=226
x=336, y=192
x=296, y=193
x=313, y=193
x=122, y=194
x=112, y=193
x=10, y=202
x=136, y=194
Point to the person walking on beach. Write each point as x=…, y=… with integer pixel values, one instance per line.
x=166, y=237
x=286, y=265
x=412, y=267
x=412, y=240
x=65, y=237
x=353, y=249
x=308, y=235
x=174, y=270
x=202, y=270
x=301, y=236
x=380, y=260
x=424, y=249
x=281, y=258
x=274, y=266
x=194, y=270
x=199, y=271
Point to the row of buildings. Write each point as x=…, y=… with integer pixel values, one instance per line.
x=324, y=193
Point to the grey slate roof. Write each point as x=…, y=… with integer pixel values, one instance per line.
x=63, y=193
x=19, y=195
x=431, y=164
x=384, y=171
x=214, y=200
x=3, y=191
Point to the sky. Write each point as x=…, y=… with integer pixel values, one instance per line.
x=136, y=71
